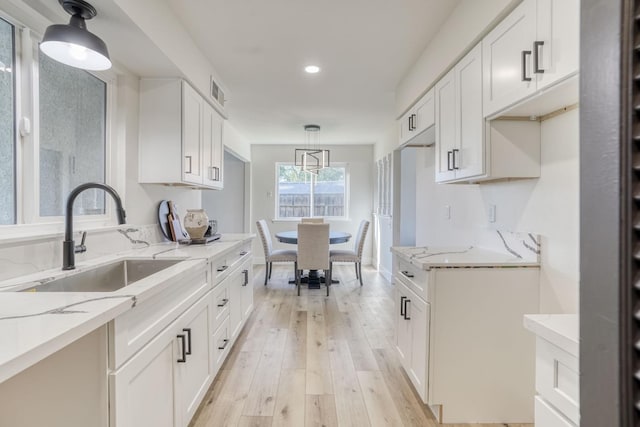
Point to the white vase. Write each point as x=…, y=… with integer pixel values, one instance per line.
x=196, y=223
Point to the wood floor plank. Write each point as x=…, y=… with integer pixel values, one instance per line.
x=320, y=411
x=380, y=406
x=289, y=410
x=254, y=421
x=317, y=379
x=295, y=350
x=261, y=397
x=350, y=407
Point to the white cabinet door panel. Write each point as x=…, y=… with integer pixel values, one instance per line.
x=418, y=312
x=445, y=98
x=191, y=128
x=507, y=54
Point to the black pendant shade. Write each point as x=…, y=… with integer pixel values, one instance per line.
x=73, y=44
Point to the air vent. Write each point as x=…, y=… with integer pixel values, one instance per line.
x=216, y=92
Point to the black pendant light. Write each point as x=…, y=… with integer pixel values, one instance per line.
x=73, y=44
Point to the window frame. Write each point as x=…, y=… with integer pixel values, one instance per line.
x=347, y=198
x=28, y=221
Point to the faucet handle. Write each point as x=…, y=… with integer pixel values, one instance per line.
x=81, y=247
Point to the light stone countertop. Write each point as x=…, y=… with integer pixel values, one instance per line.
x=562, y=330
x=35, y=325
x=470, y=256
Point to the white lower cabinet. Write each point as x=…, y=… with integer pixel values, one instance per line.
x=460, y=340
x=162, y=385
x=412, y=338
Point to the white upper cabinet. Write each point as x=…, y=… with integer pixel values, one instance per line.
x=460, y=150
x=534, y=47
x=419, y=118
x=181, y=136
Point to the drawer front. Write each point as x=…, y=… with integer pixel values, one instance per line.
x=414, y=278
x=132, y=330
x=220, y=303
x=221, y=344
x=557, y=378
x=547, y=416
x=224, y=264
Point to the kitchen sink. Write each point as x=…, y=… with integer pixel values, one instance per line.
x=107, y=278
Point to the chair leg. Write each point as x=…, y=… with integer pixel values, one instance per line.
x=356, y=266
x=266, y=272
x=297, y=278
x=327, y=278
x=270, y=269
x=359, y=267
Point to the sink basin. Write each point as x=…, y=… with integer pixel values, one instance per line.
x=107, y=278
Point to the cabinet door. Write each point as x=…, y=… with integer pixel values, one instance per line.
x=212, y=147
x=191, y=134
x=507, y=59
x=236, y=279
x=558, y=27
x=142, y=391
x=425, y=112
x=406, y=127
x=469, y=154
x=418, y=312
x=196, y=374
x=445, y=99
x=403, y=327
x=247, y=290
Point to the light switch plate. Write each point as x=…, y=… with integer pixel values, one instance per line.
x=447, y=212
x=492, y=213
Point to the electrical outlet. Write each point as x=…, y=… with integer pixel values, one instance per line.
x=492, y=213
x=447, y=212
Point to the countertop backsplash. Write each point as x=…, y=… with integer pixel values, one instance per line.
x=31, y=257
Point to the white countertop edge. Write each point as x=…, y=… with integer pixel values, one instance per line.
x=472, y=262
x=562, y=330
x=34, y=355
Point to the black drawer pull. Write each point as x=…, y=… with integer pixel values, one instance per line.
x=536, y=57
x=246, y=277
x=454, y=151
x=183, y=359
x=243, y=253
x=449, y=168
x=224, y=302
x=406, y=314
x=188, y=331
x=402, y=305
x=225, y=341
x=407, y=274
x=223, y=268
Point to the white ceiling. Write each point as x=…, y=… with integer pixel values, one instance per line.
x=260, y=47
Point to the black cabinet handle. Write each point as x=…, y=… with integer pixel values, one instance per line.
x=536, y=57
x=455, y=150
x=188, y=157
x=402, y=305
x=407, y=274
x=524, y=65
x=216, y=175
x=183, y=349
x=224, y=302
x=246, y=277
x=406, y=301
x=223, y=268
x=449, y=168
x=188, y=331
x=225, y=341
x=243, y=253
x=411, y=122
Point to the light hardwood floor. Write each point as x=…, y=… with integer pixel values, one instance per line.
x=316, y=361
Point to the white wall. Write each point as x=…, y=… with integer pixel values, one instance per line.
x=227, y=205
x=408, y=196
x=548, y=206
x=263, y=190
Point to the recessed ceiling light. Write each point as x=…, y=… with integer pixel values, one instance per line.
x=312, y=69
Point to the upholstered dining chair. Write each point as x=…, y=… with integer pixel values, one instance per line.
x=271, y=255
x=312, y=220
x=313, y=251
x=355, y=255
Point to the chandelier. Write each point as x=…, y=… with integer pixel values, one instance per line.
x=311, y=158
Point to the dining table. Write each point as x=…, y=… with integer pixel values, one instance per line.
x=313, y=280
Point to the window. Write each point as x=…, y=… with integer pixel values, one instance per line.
x=63, y=116
x=301, y=194
x=7, y=125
